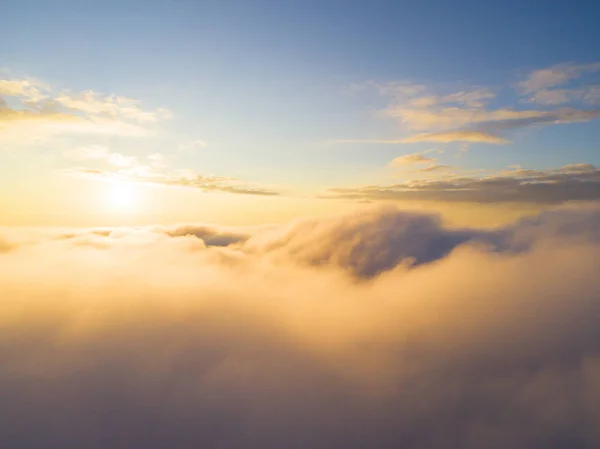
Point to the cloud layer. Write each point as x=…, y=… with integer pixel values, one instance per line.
x=574, y=182
x=383, y=329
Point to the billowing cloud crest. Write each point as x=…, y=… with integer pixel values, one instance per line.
x=383, y=329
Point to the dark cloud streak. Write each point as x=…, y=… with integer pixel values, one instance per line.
x=578, y=182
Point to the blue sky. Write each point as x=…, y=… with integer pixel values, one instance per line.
x=275, y=89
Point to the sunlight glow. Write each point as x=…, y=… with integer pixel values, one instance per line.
x=121, y=196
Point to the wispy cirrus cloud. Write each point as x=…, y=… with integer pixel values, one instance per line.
x=371, y=141
x=198, y=143
x=28, y=89
x=146, y=174
x=437, y=137
x=152, y=169
x=413, y=163
x=457, y=136
x=563, y=84
x=113, y=106
x=475, y=115
x=588, y=94
x=101, y=153
x=30, y=112
x=157, y=160
x=436, y=168
x=555, y=76
x=477, y=124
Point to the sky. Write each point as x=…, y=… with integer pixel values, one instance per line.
x=314, y=224
x=163, y=111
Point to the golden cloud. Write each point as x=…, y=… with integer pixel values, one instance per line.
x=41, y=113
x=457, y=136
x=381, y=329
x=409, y=159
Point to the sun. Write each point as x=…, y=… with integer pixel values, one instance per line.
x=121, y=196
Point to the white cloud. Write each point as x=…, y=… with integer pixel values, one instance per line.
x=477, y=98
x=399, y=89
x=555, y=96
x=380, y=329
x=28, y=89
x=194, y=144
x=542, y=86
x=93, y=103
x=468, y=115
x=157, y=160
x=41, y=113
x=130, y=171
x=120, y=160
x=199, y=143
x=99, y=152
x=556, y=76
x=592, y=95
x=88, y=152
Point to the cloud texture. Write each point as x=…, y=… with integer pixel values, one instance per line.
x=565, y=93
x=573, y=182
x=383, y=329
x=31, y=112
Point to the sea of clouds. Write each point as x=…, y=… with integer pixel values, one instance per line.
x=382, y=329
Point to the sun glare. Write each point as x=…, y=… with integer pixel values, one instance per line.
x=121, y=196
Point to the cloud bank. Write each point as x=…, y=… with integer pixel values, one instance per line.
x=382, y=329
x=573, y=182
